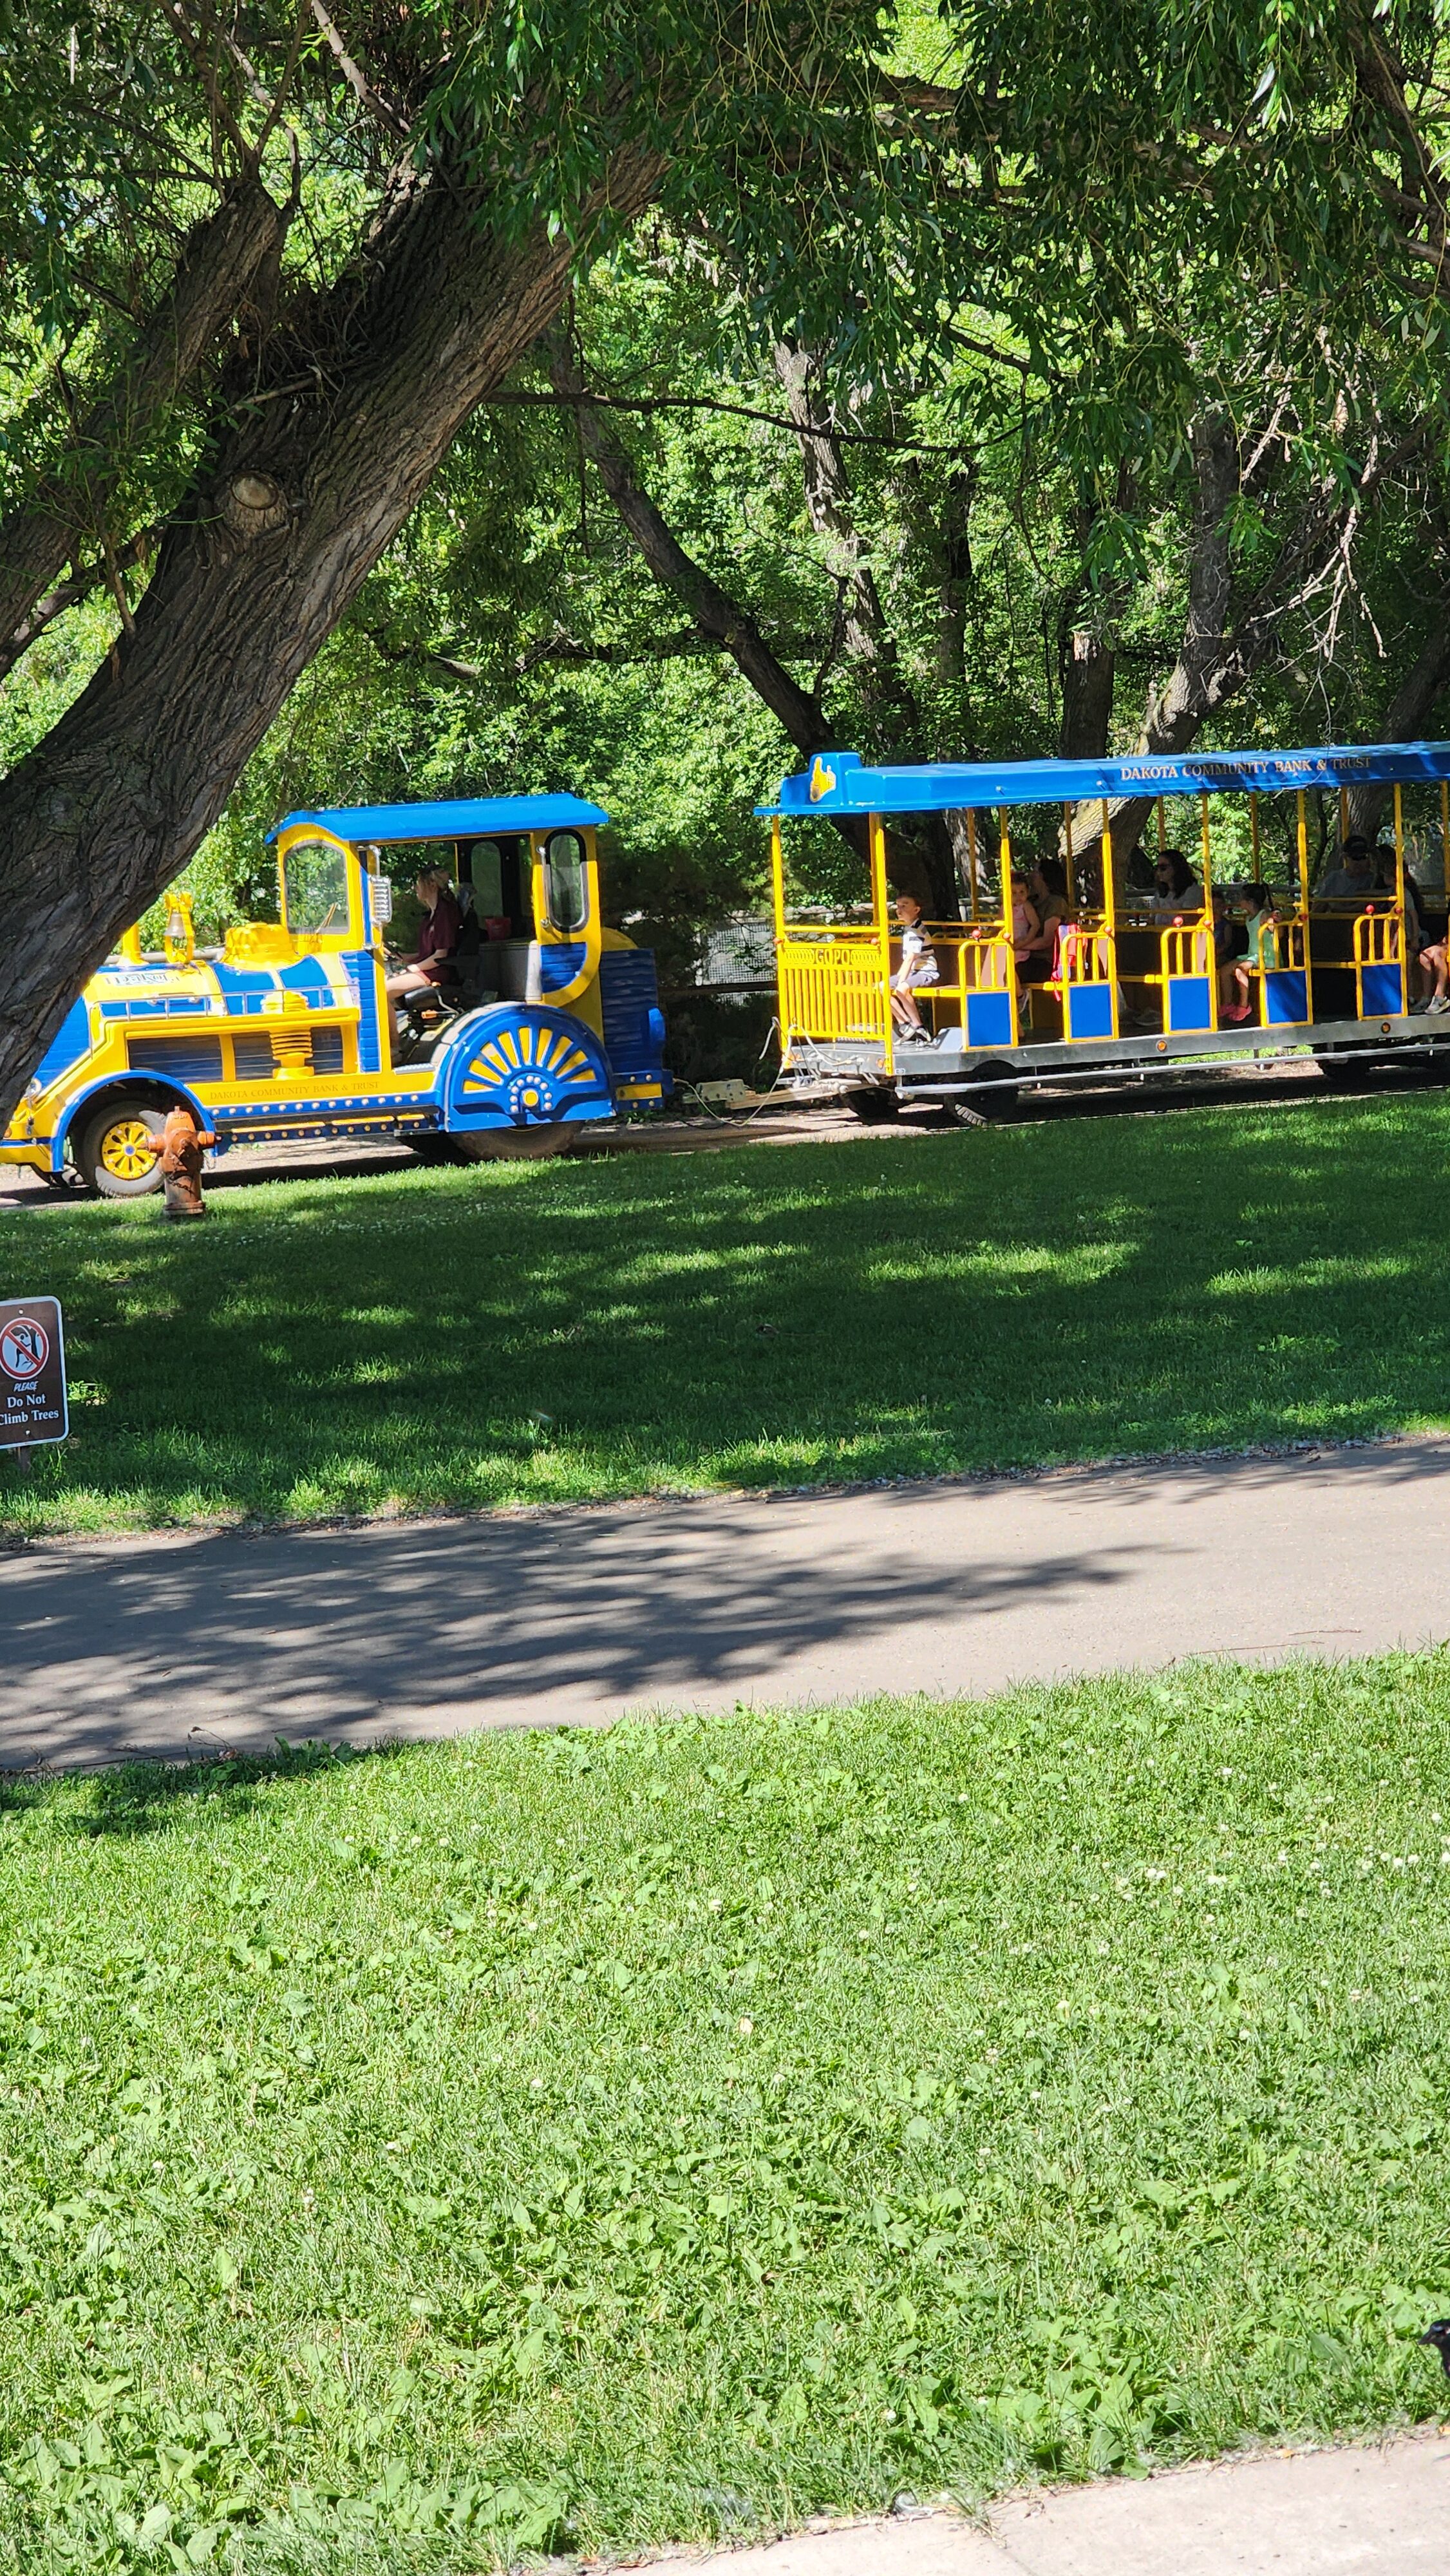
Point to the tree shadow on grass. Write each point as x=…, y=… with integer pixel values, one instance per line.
x=450, y=1340
x=138, y=1797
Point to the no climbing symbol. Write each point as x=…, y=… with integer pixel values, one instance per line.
x=24, y=1347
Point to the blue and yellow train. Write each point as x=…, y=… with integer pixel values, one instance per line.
x=1134, y=983
x=284, y=1031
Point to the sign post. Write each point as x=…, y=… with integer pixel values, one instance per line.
x=33, y=1405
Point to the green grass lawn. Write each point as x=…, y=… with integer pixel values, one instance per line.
x=583, y=2140
x=569, y=1330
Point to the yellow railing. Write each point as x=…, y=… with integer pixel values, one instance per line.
x=1187, y=950
x=984, y=957
x=1379, y=939
x=832, y=985
x=1290, y=946
x=1084, y=955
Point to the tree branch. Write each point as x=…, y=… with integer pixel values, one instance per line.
x=707, y=402
x=867, y=639
x=688, y=643
x=68, y=503
x=69, y=594
x=715, y=613
x=377, y=106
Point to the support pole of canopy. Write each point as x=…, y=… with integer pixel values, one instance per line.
x=972, y=856
x=1110, y=915
x=777, y=877
x=1400, y=897
x=1303, y=853
x=877, y=837
x=1209, y=949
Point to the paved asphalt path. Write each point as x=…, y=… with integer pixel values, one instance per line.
x=1379, y=2511
x=191, y=1643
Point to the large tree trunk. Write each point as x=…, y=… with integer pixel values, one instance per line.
x=867, y=638
x=1089, y=667
x=257, y=567
x=65, y=514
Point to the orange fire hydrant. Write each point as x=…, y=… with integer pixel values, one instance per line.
x=180, y=1147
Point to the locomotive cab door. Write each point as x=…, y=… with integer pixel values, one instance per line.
x=564, y=959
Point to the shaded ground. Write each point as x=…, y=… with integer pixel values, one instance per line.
x=571, y=1331
x=182, y=1644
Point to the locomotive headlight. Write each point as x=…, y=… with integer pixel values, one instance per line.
x=34, y=1087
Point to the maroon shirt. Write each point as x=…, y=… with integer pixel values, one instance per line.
x=441, y=927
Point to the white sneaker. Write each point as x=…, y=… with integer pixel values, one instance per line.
x=1439, y=1003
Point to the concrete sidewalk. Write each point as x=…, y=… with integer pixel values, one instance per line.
x=1383, y=2512
x=189, y=1642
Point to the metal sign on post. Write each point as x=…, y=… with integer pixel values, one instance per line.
x=32, y=1373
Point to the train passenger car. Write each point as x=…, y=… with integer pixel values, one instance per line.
x=284, y=1031
x=1132, y=982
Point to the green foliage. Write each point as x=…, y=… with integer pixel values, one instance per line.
x=562, y=1331
x=1021, y=291
x=588, y=2140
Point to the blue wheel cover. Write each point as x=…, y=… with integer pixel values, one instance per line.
x=521, y=1064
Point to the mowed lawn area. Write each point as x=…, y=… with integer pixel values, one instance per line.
x=569, y=1330
x=576, y=2141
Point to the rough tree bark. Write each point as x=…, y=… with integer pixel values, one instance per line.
x=64, y=515
x=258, y=564
x=866, y=637
x=1089, y=670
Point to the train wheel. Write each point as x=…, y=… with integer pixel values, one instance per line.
x=110, y=1153
x=512, y=1144
x=984, y=1108
x=873, y=1108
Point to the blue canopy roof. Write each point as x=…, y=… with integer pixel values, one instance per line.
x=460, y=818
x=839, y=782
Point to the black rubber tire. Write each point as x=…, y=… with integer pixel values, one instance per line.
x=875, y=1108
x=514, y=1144
x=984, y=1108
x=123, y=1110
x=1344, y=1073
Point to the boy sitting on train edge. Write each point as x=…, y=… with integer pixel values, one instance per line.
x=918, y=968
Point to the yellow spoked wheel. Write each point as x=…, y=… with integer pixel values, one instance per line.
x=125, y=1150
x=110, y=1153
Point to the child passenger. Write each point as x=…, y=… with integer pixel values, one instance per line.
x=918, y=969
x=1261, y=955
x=1230, y=945
x=1026, y=923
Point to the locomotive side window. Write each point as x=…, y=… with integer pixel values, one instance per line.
x=485, y=860
x=314, y=888
x=564, y=881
